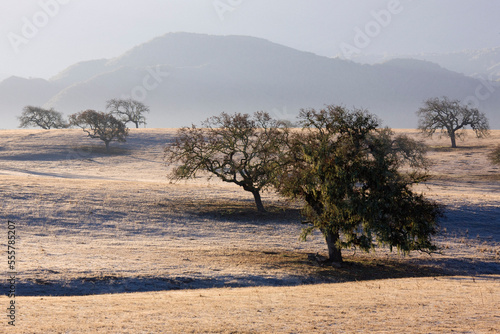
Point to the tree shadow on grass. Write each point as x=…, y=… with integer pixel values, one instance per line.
x=236, y=210
x=456, y=149
x=274, y=267
x=295, y=268
x=373, y=268
x=48, y=154
x=100, y=150
x=74, y=153
x=475, y=221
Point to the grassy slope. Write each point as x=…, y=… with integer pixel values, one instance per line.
x=92, y=223
x=418, y=305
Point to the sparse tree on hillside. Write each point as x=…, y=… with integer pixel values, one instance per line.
x=128, y=110
x=451, y=118
x=103, y=126
x=349, y=174
x=237, y=148
x=44, y=118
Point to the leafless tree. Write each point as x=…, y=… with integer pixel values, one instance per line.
x=128, y=110
x=451, y=118
x=44, y=118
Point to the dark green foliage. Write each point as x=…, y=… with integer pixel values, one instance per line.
x=350, y=175
x=237, y=148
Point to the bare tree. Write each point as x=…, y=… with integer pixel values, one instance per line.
x=44, y=118
x=451, y=118
x=236, y=148
x=128, y=110
x=103, y=126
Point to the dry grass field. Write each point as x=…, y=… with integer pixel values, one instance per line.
x=107, y=244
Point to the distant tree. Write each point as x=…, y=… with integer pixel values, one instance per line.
x=349, y=173
x=103, y=126
x=44, y=118
x=451, y=118
x=128, y=110
x=237, y=148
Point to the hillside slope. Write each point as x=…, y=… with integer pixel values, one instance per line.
x=187, y=77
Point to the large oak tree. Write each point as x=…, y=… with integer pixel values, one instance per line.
x=239, y=148
x=356, y=182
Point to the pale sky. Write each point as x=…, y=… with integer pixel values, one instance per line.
x=39, y=38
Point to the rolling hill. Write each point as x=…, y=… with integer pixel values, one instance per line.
x=187, y=77
x=482, y=63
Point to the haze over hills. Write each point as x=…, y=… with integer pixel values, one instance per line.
x=483, y=63
x=186, y=77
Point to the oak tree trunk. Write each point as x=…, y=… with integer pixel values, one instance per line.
x=334, y=252
x=453, y=140
x=258, y=201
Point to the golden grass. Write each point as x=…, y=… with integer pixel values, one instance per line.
x=418, y=305
x=90, y=222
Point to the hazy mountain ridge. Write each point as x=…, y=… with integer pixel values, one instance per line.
x=79, y=72
x=483, y=63
x=16, y=92
x=186, y=78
